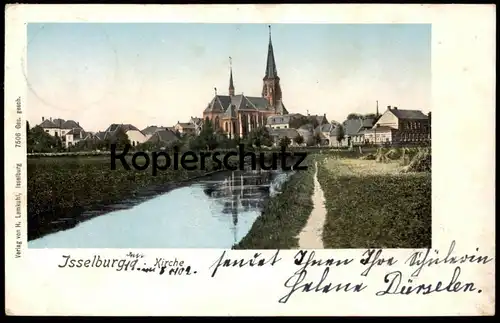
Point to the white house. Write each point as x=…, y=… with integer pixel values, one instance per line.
x=76, y=135
x=134, y=135
x=279, y=122
x=58, y=127
x=185, y=128
x=397, y=125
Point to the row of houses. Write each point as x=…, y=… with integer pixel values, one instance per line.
x=393, y=126
x=72, y=133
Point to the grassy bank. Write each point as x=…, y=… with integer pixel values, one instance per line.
x=61, y=188
x=375, y=205
x=284, y=215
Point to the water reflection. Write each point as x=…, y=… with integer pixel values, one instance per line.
x=213, y=212
x=241, y=192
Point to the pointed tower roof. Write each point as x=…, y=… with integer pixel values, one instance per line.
x=271, y=71
x=231, y=83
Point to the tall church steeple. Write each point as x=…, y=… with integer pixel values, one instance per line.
x=231, y=84
x=271, y=89
x=271, y=71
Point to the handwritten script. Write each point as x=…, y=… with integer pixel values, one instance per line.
x=401, y=276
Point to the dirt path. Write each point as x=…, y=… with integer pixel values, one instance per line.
x=311, y=235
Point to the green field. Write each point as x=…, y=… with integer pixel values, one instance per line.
x=374, y=205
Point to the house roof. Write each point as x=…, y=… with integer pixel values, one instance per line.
x=185, y=124
x=115, y=126
x=101, y=135
x=163, y=136
x=353, y=126
x=60, y=124
x=368, y=123
x=327, y=127
x=125, y=127
x=318, y=118
x=282, y=119
x=308, y=127
x=408, y=114
x=152, y=129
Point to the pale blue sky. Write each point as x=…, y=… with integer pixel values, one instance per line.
x=158, y=74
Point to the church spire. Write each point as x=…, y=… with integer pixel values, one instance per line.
x=271, y=71
x=231, y=84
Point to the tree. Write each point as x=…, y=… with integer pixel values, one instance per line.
x=41, y=141
x=299, y=140
x=207, y=138
x=260, y=137
x=353, y=116
x=317, y=139
x=285, y=142
x=298, y=122
x=370, y=116
x=29, y=138
x=121, y=138
x=340, y=133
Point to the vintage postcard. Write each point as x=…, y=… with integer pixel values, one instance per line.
x=280, y=160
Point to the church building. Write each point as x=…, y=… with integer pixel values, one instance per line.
x=237, y=114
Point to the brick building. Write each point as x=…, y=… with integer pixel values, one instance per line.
x=238, y=114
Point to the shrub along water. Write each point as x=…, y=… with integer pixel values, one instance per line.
x=283, y=215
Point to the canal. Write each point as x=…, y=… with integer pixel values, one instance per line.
x=215, y=211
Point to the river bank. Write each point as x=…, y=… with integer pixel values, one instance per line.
x=214, y=211
x=283, y=215
x=64, y=191
x=61, y=189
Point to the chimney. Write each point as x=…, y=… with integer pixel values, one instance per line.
x=50, y=118
x=388, y=107
x=43, y=119
x=395, y=108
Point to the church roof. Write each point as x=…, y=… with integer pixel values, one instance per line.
x=221, y=103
